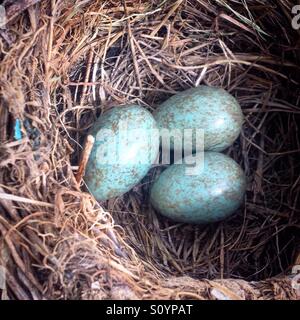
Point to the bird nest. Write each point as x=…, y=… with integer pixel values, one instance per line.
x=64, y=63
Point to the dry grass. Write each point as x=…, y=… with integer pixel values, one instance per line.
x=63, y=63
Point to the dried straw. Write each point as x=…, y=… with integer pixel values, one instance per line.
x=63, y=63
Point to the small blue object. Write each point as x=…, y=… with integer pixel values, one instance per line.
x=18, y=133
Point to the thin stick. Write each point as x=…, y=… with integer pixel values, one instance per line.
x=11, y=197
x=87, y=76
x=90, y=140
x=8, y=205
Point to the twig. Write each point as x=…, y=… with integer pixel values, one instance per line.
x=8, y=206
x=87, y=76
x=90, y=140
x=11, y=197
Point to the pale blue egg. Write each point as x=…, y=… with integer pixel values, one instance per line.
x=126, y=145
x=212, y=110
x=212, y=191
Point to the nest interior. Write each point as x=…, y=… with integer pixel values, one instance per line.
x=64, y=63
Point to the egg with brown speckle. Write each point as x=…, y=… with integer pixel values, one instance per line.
x=126, y=145
x=212, y=110
x=210, y=190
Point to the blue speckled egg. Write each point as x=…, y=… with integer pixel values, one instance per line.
x=126, y=145
x=213, y=191
x=210, y=109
